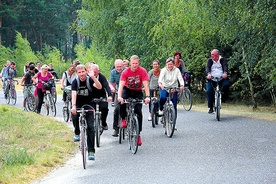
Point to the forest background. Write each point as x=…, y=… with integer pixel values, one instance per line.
x=60, y=31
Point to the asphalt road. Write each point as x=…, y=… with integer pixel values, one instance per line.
x=202, y=150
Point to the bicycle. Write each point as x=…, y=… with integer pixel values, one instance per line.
x=66, y=111
x=49, y=104
x=169, y=116
x=185, y=98
x=98, y=120
x=30, y=102
x=132, y=129
x=154, y=108
x=217, y=97
x=83, y=133
x=10, y=92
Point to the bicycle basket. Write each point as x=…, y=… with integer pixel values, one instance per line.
x=47, y=85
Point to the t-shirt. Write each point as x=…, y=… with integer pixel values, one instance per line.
x=216, y=69
x=115, y=77
x=134, y=80
x=45, y=79
x=153, y=80
x=84, y=96
x=28, y=77
x=98, y=93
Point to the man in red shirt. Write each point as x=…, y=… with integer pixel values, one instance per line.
x=132, y=80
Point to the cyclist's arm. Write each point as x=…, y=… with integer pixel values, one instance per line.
x=22, y=81
x=74, y=100
x=34, y=78
x=120, y=90
x=62, y=81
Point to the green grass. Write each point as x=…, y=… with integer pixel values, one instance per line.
x=262, y=112
x=31, y=145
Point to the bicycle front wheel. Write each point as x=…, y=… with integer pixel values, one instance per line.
x=7, y=97
x=54, y=94
x=31, y=103
x=52, y=106
x=134, y=133
x=45, y=107
x=66, y=111
x=217, y=106
x=170, y=120
x=83, y=143
x=98, y=129
x=13, y=96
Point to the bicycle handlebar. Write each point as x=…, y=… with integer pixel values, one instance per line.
x=98, y=100
x=132, y=100
x=82, y=109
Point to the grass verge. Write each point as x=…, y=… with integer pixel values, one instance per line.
x=262, y=112
x=31, y=145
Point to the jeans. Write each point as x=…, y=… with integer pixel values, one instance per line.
x=210, y=85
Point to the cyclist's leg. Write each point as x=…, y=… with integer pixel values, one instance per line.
x=116, y=115
x=90, y=132
x=225, y=84
x=210, y=93
x=75, y=120
x=40, y=96
x=25, y=94
x=104, y=109
x=138, y=109
x=174, y=101
x=163, y=96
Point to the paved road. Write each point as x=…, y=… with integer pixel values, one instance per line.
x=203, y=150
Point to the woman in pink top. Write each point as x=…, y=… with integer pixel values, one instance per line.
x=44, y=75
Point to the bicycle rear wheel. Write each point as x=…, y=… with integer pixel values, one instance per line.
x=134, y=133
x=98, y=129
x=65, y=111
x=153, y=115
x=170, y=120
x=217, y=106
x=83, y=143
x=186, y=99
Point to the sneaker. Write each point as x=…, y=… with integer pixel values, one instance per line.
x=76, y=138
x=105, y=127
x=210, y=111
x=124, y=123
x=139, y=141
x=149, y=118
x=91, y=156
x=160, y=113
x=115, y=133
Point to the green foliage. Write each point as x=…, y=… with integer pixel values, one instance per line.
x=91, y=54
x=6, y=54
x=17, y=156
x=23, y=52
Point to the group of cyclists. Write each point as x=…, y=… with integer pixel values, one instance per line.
x=127, y=79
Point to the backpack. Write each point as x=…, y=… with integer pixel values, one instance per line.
x=87, y=83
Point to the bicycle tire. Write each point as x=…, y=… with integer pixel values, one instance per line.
x=52, y=106
x=170, y=120
x=30, y=103
x=65, y=111
x=13, y=96
x=186, y=99
x=83, y=144
x=217, y=106
x=45, y=107
x=98, y=129
x=134, y=133
x=8, y=97
x=153, y=115
x=54, y=94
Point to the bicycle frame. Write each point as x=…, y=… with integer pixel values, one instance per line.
x=11, y=91
x=154, y=110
